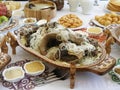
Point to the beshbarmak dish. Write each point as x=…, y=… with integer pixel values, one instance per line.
x=34, y=68
x=60, y=46
x=13, y=74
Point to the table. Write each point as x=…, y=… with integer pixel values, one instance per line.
x=84, y=80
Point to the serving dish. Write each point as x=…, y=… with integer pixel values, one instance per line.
x=101, y=59
x=70, y=21
x=40, y=10
x=106, y=20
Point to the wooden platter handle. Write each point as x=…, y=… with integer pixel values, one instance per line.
x=104, y=66
x=10, y=39
x=13, y=42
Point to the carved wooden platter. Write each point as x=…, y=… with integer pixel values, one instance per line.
x=100, y=66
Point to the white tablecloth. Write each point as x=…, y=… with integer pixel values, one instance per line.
x=84, y=80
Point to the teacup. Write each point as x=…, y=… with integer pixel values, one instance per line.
x=73, y=5
x=87, y=6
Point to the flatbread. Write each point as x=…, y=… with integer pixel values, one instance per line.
x=115, y=2
x=114, y=5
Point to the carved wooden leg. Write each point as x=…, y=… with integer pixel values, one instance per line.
x=13, y=50
x=13, y=42
x=3, y=45
x=4, y=49
x=72, y=75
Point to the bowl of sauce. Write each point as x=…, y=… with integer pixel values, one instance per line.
x=13, y=74
x=94, y=31
x=34, y=68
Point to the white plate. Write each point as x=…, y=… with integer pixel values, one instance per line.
x=97, y=23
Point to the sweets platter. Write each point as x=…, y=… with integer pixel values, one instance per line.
x=81, y=77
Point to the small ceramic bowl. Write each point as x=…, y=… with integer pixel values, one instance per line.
x=13, y=74
x=34, y=68
x=29, y=20
x=116, y=70
x=94, y=31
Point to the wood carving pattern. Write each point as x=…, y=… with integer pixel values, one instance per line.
x=108, y=44
x=104, y=66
